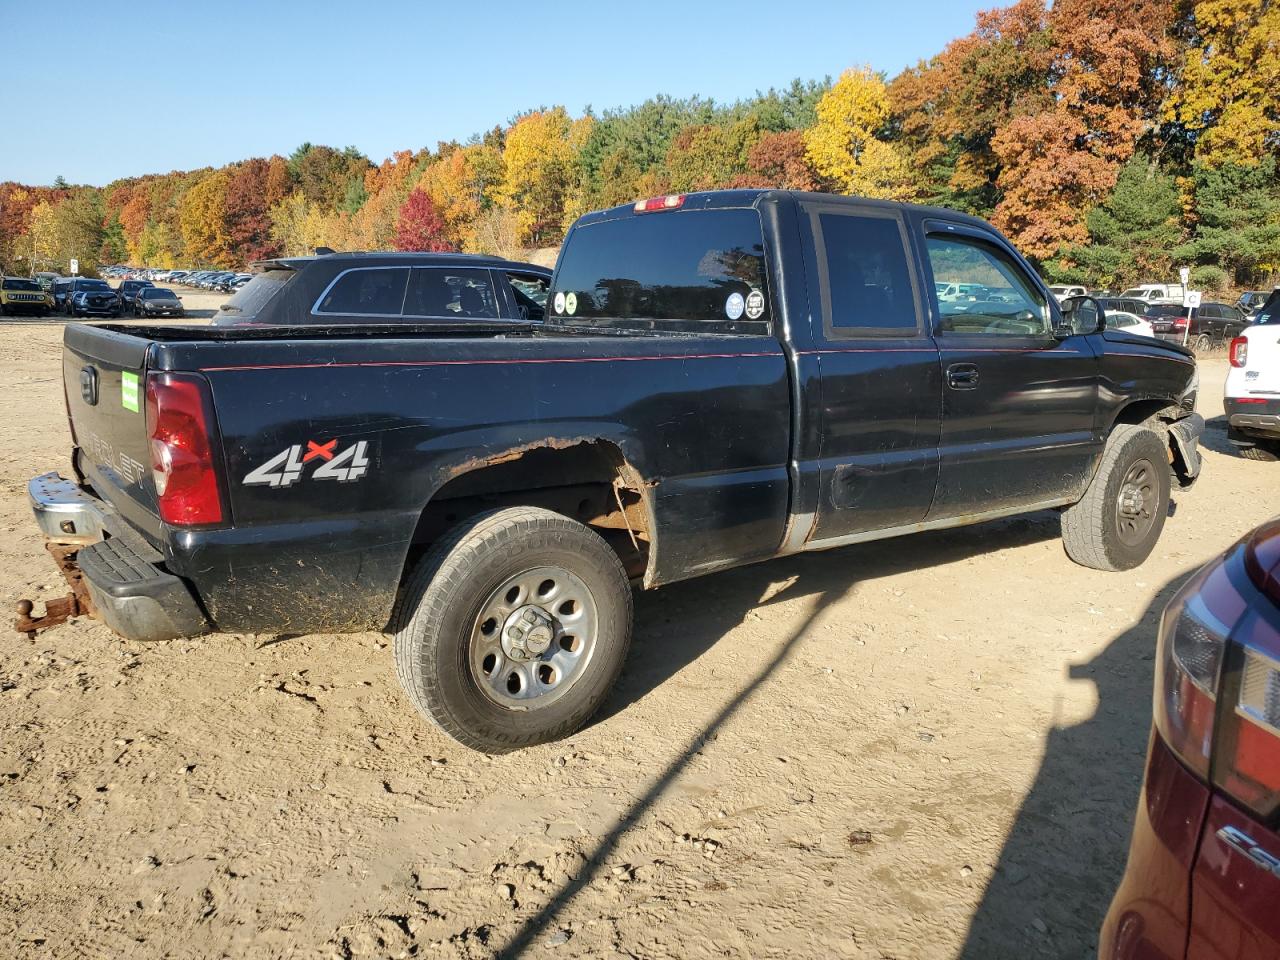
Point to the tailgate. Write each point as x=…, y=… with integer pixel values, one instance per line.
x=103, y=372
x=1262, y=368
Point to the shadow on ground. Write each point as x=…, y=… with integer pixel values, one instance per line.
x=1065, y=855
x=677, y=624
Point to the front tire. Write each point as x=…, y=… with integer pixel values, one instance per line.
x=513, y=628
x=1117, y=522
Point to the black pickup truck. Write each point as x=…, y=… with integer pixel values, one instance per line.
x=721, y=378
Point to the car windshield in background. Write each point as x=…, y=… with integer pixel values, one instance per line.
x=157, y=293
x=17, y=283
x=696, y=266
x=254, y=295
x=95, y=285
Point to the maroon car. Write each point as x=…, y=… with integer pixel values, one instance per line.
x=1203, y=879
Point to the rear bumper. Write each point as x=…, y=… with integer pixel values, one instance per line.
x=1252, y=419
x=131, y=591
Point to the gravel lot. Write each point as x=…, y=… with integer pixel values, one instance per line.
x=924, y=748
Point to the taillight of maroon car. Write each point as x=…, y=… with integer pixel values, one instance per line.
x=179, y=417
x=1217, y=699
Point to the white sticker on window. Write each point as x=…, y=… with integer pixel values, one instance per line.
x=571, y=303
x=559, y=302
x=733, y=307
x=755, y=305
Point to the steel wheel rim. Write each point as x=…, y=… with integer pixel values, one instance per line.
x=1136, y=502
x=533, y=638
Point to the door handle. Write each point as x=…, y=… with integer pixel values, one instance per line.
x=962, y=376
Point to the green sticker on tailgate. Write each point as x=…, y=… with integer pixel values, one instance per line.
x=129, y=391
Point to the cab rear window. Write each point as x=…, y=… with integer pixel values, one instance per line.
x=249, y=300
x=698, y=269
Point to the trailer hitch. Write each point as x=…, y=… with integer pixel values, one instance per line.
x=58, y=611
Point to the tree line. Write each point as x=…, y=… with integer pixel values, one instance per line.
x=1111, y=140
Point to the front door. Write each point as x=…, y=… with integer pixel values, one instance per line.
x=1018, y=403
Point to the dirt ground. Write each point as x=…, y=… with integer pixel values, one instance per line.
x=923, y=748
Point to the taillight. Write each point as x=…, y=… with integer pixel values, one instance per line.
x=1248, y=765
x=1188, y=661
x=1239, y=355
x=178, y=422
x=670, y=202
x=1180, y=323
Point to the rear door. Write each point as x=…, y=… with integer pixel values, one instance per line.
x=1018, y=404
x=879, y=400
x=104, y=372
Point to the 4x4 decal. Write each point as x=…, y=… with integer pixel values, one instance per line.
x=287, y=467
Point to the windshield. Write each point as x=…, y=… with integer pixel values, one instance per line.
x=94, y=285
x=1270, y=312
x=249, y=300
x=16, y=283
x=156, y=293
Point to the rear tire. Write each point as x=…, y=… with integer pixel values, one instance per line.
x=1263, y=452
x=1117, y=522
x=463, y=603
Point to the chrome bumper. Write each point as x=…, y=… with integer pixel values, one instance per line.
x=65, y=512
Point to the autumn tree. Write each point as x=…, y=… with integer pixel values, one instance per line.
x=202, y=215
x=70, y=228
x=246, y=216
x=945, y=111
x=711, y=156
x=539, y=171
x=419, y=226
x=780, y=160
x=844, y=145
x=1056, y=164
x=1228, y=97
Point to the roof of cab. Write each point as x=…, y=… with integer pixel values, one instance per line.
x=713, y=199
x=395, y=256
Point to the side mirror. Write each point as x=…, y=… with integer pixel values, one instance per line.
x=1080, y=315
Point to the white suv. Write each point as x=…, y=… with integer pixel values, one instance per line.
x=1252, y=393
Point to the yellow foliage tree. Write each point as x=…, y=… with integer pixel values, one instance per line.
x=1229, y=93
x=540, y=170
x=201, y=220
x=843, y=145
x=299, y=226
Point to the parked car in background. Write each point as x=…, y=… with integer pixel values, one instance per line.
x=1212, y=324
x=1062, y=292
x=20, y=296
x=1129, y=322
x=1203, y=877
x=1251, y=396
x=362, y=288
x=1151, y=292
x=128, y=290
x=157, y=302
x=1139, y=308
x=92, y=298
x=1251, y=301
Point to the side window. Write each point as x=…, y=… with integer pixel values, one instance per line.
x=448, y=293
x=993, y=296
x=366, y=292
x=864, y=269
x=530, y=291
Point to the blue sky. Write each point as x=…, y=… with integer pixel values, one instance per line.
x=96, y=96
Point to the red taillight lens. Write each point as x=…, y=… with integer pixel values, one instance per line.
x=1239, y=355
x=1180, y=323
x=178, y=421
x=1193, y=639
x=671, y=202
